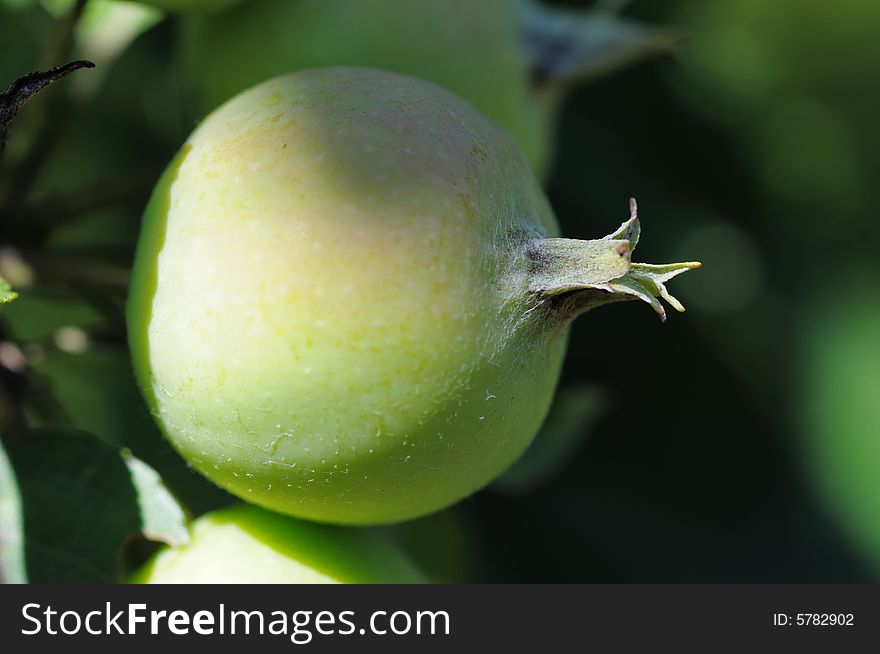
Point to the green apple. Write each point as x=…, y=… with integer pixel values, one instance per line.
x=839, y=404
x=348, y=301
x=247, y=545
x=513, y=60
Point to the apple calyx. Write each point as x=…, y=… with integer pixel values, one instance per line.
x=575, y=276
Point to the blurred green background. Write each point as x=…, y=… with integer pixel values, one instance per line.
x=739, y=442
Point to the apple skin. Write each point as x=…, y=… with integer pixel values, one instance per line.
x=329, y=312
x=472, y=48
x=244, y=544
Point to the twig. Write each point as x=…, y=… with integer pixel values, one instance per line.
x=23, y=174
x=24, y=88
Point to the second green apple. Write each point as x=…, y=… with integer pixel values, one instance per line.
x=511, y=59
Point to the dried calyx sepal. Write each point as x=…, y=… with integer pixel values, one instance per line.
x=577, y=275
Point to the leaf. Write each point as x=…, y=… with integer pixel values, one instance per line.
x=79, y=506
x=12, y=569
x=573, y=413
x=162, y=518
x=81, y=503
x=6, y=292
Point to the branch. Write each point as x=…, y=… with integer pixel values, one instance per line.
x=24, y=88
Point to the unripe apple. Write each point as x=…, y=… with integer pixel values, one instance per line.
x=247, y=545
x=511, y=59
x=348, y=303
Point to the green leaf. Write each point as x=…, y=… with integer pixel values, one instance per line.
x=82, y=502
x=574, y=412
x=6, y=292
x=79, y=506
x=12, y=569
x=162, y=518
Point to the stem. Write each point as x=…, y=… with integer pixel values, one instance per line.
x=575, y=276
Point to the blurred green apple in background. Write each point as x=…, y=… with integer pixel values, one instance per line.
x=244, y=544
x=840, y=408
x=796, y=79
x=512, y=59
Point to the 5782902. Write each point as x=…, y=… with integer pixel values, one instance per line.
x=813, y=619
